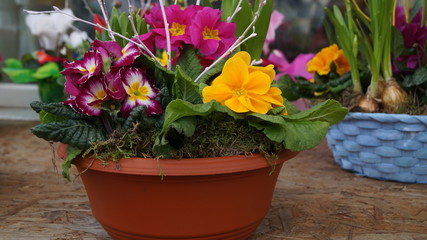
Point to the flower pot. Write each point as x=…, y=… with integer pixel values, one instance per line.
x=382, y=146
x=205, y=198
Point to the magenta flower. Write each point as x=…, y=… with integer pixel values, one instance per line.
x=208, y=33
x=275, y=21
x=155, y=17
x=179, y=24
x=78, y=72
x=114, y=85
x=296, y=68
x=120, y=56
x=139, y=92
x=414, y=37
x=91, y=97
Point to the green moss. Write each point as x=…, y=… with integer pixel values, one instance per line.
x=216, y=135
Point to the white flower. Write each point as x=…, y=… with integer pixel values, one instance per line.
x=49, y=27
x=75, y=39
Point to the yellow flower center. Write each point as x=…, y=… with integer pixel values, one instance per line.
x=210, y=34
x=138, y=92
x=239, y=92
x=92, y=69
x=101, y=94
x=177, y=29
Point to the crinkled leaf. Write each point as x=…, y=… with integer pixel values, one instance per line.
x=72, y=153
x=138, y=115
x=216, y=70
x=184, y=88
x=58, y=109
x=47, y=117
x=289, y=88
x=189, y=62
x=77, y=133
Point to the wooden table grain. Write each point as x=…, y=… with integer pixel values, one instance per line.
x=314, y=199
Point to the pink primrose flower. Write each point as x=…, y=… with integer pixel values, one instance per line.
x=296, y=68
x=139, y=92
x=179, y=24
x=275, y=21
x=210, y=34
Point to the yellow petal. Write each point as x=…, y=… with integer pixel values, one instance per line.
x=235, y=105
x=244, y=56
x=257, y=105
x=258, y=83
x=234, y=73
x=218, y=92
x=269, y=70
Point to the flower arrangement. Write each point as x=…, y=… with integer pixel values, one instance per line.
x=381, y=58
x=179, y=81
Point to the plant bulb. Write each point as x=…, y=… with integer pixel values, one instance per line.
x=393, y=97
x=368, y=104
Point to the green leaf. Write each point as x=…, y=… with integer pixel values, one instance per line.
x=77, y=133
x=303, y=135
x=164, y=145
x=419, y=77
x=254, y=45
x=58, y=109
x=72, y=153
x=329, y=111
x=48, y=70
x=138, y=115
x=13, y=63
x=20, y=75
x=47, y=117
x=216, y=70
x=289, y=88
x=178, y=109
x=189, y=62
x=184, y=88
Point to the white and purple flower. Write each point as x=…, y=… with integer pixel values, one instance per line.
x=140, y=92
x=79, y=71
x=91, y=97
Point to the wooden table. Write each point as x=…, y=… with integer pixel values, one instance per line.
x=314, y=199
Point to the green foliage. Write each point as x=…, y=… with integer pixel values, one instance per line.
x=253, y=45
x=417, y=83
x=62, y=124
x=120, y=23
x=322, y=85
x=297, y=132
x=189, y=62
x=184, y=88
x=72, y=153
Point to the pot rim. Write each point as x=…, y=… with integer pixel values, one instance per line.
x=179, y=167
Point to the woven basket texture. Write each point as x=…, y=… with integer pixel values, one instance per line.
x=382, y=146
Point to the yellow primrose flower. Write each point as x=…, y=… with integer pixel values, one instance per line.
x=269, y=69
x=341, y=63
x=242, y=90
x=321, y=63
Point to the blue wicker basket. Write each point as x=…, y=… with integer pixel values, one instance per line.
x=382, y=146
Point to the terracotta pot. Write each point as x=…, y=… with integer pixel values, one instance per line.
x=204, y=198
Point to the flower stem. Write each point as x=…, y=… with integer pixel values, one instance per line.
x=104, y=13
x=168, y=40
